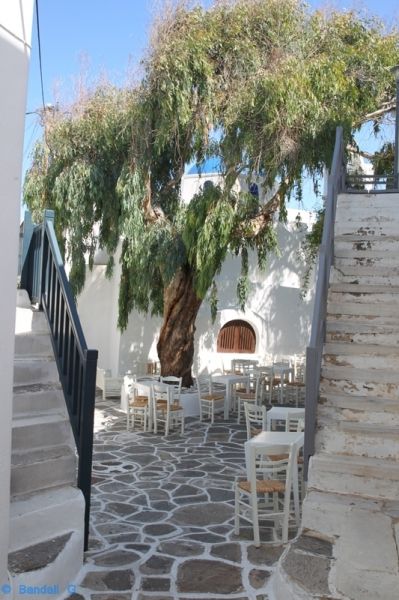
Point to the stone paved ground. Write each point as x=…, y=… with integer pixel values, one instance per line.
x=163, y=516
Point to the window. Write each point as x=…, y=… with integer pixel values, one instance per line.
x=254, y=190
x=237, y=336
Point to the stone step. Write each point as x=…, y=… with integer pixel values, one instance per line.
x=387, y=276
x=29, y=320
x=357, y=329
x=48, y=428
x=366, y=203
x=39, y=469
x=366, y=356
x=362, y=253
x=354, y=475
x=349, y=412
x=33, y=344
x=361, y=262
x=359, y=382
x=37, y=398
x=341, y=293
x=347, y=437
x=367, y=224
x=366, y=244
x=40, y=516
x=359, y=570
x=381, y=309
x=49, y=566
x=35, y=370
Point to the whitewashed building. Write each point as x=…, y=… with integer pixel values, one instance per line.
x=276, y=317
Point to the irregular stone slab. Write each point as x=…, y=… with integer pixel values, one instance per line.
x=37, y=556
x=207, y=538
x=147, y=516
x=155, y=584
x=159, y=529
x=186, y=490
x=313, y=545
x=109, y=580
x=220, y=495
x=180, y=548
x=157, y=565
x=120, y=508
x=230, y=551
x=209, y=576
x=115, y=558
x=258, y=578
x=265, y=555
x=202, y=515
x=122, y=538
x=310, y=572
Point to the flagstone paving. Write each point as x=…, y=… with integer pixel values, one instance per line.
x=162, y=522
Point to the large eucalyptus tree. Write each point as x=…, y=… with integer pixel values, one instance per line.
x=262, y=85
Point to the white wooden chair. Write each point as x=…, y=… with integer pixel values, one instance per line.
x=138, y=407
x=255, y=418
x=164, y=409
x=175, y=383
x=266, y=495
x=110, y=386
x=249, y=395
x=208, y=399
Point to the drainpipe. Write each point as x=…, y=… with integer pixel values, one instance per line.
x=395, y=71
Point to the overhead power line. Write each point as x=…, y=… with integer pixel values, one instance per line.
x=40, y=52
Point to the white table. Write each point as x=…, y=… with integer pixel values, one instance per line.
x=229, y=380
x=280, y=413
x=265, y=439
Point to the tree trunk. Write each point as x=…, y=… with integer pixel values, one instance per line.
x=176, y=339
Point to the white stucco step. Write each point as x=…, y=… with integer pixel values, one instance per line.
x=357, y=438
x=366, y=203
x=366, y=356
x=367, y=225
x=37, y=398
x=365, y=565
x=40, y=469
x=354, y=475
x=367, y=276
x=364, y=264
x=54, y=562
x=366, y=409
x=388, y=309
x=39, y=516
x=360, y=382
x=35, y=370
x=30, y=320
x=357, y=330
x=366, y=244
x=33, y=344
x=41, y=430
x=362, y=252
x=354, y=295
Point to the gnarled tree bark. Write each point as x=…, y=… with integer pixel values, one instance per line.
x=176, y=339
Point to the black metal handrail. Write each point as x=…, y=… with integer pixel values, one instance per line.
x=315, y=349
x=44, y=277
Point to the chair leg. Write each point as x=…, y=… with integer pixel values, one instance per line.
x=255, y=519
x=127, y=418
x=237, y=511
x=239, y=410
x=182, y=424
x=212, y=409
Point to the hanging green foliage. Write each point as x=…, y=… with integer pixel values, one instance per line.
x=261, y=85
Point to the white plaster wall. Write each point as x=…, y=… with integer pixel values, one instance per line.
x=15, y=39
x=280, y=318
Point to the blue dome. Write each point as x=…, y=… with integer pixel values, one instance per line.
x=211, y=165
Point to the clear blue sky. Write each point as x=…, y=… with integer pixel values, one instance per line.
x=109, y=36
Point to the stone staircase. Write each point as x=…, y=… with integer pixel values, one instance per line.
x=47, y=510
x=348, y=546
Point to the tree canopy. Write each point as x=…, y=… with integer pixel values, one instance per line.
x=259, y=84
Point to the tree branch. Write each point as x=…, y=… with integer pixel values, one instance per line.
x=377, y=114
x=255, y=225
x=355, y=150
